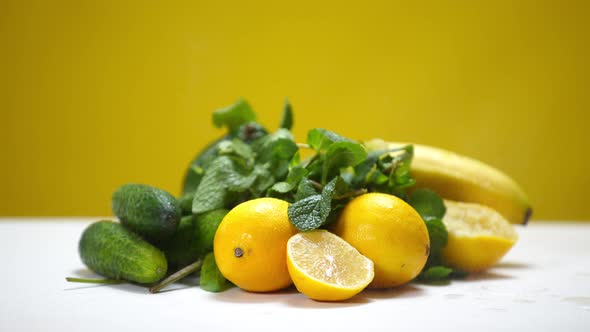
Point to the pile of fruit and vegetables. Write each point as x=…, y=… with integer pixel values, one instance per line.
x=331, y=216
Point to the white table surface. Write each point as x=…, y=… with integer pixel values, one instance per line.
x=543, y=284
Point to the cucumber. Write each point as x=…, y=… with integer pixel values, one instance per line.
x=150, y=212
x=113, y=251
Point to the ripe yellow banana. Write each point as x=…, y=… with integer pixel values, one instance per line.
x=464, y=179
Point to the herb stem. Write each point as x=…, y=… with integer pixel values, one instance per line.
x=303, y=146
x=352, y=193
x=180, y=274
x=316, y=185
x=95, y=281
x=308, y=161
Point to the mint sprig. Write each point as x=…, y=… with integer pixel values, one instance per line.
x=432, y=210
x=312, y=211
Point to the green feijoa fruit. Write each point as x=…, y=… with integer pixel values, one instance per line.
x=113, y=251
x=193, y=238
x=150, y=212
x=182, y=249
x=206, y=226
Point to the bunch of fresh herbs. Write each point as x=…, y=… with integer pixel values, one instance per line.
x=250, y=162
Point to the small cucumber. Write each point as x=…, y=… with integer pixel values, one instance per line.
x=150, y=212
x=113, y=251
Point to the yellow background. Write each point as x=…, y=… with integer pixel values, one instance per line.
x=94, y=94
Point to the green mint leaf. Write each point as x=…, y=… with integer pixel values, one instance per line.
x=238, y=148
x=223, y=176
x=401, y=178
x=295, y=175
x=305, y=189
x=235, y=176
x=296, y=160
x=201, y=161
x=278, y=145
x=342, y=187
x=320, y=139
x=394, y=164
x=438, y=234
x=363, y=169
x=211, y=278
x=193, y=177
x=282, y=187
x=306, y=214
x=212, y=192
x=234, y=116
x=327, y=195
x=314, y=167
x=427, y=203
x=276, y=150
x=342, y=154
x=436, y=273
x=377, y=177
x=287, y=118
x=312, y=211
x=263, y=180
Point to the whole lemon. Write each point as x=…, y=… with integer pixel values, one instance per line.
x=250, y=245
x=389, y=232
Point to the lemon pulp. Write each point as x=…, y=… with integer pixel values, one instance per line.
x=324, y=267
x=478, y=236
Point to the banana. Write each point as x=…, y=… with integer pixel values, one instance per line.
x=464, y=179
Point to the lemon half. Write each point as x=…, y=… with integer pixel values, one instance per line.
x=478, y=236
x=326, y=268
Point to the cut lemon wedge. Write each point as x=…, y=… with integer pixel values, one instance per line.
x=478, y=236
x=325, y=267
